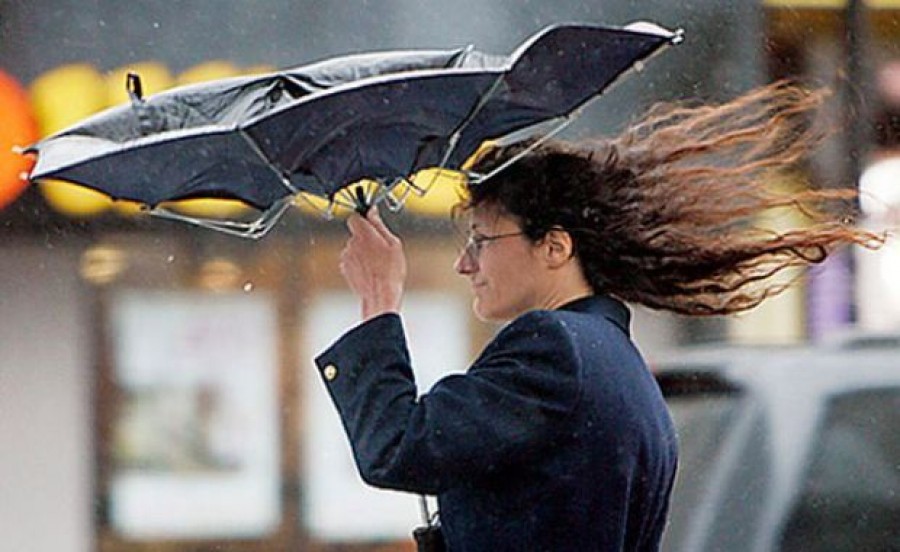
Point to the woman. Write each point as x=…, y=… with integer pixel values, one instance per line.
x=557, y=437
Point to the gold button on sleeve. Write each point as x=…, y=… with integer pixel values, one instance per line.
x=330, y=372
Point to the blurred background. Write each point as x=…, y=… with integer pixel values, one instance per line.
x=155, y=379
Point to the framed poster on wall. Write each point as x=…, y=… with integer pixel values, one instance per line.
x=195, y=446
x=337, y=505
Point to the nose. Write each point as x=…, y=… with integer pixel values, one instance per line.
x=465, y=264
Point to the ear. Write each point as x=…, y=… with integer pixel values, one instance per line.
x=558, y=248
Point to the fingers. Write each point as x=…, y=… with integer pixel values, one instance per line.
x=370, y=226
x=373, y=264
x=347, y=260
x=374, y=217
x=358, y=223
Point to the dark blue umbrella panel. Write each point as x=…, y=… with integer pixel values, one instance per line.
x=321, y=127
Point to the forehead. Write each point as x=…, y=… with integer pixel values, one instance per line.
x=490, y=219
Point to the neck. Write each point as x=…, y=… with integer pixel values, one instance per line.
x=555, y=302
x=565, y=292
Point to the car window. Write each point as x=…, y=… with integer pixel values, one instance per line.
x=737, y=510
x=703, y=408
x=850, y=499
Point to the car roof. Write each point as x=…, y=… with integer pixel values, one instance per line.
x=844, y=363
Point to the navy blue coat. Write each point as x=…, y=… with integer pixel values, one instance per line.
x=557, y=438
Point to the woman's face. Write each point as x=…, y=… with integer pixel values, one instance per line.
x=502, y=266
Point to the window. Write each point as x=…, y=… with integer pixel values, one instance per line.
x=850, y=498
x=705, y=409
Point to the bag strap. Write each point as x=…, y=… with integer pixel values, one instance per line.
x=428, y=518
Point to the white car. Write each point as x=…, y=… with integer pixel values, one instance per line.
x=786, y=449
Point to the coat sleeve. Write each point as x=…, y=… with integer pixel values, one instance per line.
x=510, y=405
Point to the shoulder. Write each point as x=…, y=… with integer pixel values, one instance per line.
x=535, y=355
x=537, y=323
x=534, y=336
x=564, y=324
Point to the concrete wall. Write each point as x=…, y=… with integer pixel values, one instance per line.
x=46, y=454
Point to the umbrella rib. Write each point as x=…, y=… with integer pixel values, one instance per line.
x=255, y=229
x=676, y=38
x=477, y=178
x=385, y=193
x=454, y=138
x=285, y=181
x=352, y=197
x=327, y=212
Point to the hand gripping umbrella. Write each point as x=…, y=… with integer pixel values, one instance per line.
x=320, y=128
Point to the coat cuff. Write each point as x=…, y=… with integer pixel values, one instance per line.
x=341, y=365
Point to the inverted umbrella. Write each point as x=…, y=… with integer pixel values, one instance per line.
x=320, y=128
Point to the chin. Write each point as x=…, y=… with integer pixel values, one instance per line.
x=481, y=313
x=485, y=313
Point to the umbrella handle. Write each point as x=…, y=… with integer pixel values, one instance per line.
x=362, y=205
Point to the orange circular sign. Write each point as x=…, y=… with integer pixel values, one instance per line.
x=19, y=129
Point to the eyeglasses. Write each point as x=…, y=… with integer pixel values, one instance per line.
x=475, y=243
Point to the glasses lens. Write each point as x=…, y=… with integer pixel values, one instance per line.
x=473, y=248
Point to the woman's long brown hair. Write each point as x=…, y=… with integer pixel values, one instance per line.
x=668, y=213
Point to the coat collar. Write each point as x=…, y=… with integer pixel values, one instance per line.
x=612, y=309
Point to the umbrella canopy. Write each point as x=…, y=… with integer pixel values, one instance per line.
x=321, y=127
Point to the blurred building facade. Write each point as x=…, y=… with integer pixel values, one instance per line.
x=74, y=409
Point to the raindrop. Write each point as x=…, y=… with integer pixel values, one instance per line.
x=248, y=287
x=170, y=259
x=156, y=24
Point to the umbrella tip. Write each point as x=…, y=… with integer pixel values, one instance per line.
x=134, y=87
x=17, y=149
